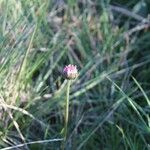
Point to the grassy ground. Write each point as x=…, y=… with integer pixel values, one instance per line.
x=109, y=101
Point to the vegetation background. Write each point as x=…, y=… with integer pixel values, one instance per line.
x=108, y=40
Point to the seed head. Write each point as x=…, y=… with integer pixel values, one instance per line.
x=70, y=72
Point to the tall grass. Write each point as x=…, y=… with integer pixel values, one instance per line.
x=109, y=101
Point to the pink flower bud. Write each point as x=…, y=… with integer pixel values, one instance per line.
x=70, y=72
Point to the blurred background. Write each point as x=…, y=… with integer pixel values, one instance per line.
x=108, y=40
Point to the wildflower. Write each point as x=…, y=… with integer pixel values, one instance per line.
x=70, y=72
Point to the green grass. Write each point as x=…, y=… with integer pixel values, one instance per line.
x=109, y=101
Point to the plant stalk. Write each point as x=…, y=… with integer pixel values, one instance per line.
x=66, y=114
x=66, y=111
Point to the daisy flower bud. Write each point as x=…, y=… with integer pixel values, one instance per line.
x=70, y=72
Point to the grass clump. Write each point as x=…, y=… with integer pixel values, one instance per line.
x=109, y=101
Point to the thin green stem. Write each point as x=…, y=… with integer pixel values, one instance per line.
x=66, y=111
x=66, y=114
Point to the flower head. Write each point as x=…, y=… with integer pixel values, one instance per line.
x=70, y=72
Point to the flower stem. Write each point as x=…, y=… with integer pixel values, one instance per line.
x=66, y=112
